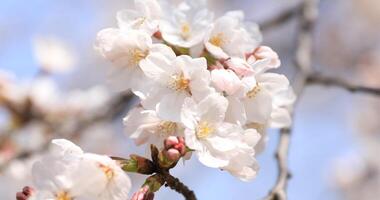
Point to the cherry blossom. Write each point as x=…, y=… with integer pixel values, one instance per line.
x=175, y=79
x=143, y=17
x=69, y=173
x=186, y=26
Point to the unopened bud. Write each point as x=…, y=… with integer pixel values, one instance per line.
x=158, y=35
x=177, y=143
x=171, y=141
x=173, y=154
x=143, y=194
x=26, y=193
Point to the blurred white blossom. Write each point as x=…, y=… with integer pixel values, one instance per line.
x=53, y=55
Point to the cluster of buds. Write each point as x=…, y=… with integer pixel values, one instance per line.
x=175, y=148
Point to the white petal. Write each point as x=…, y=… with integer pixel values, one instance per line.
x=213, y=108
x=192, y=141
x=189, y=113
x=235, y=113
x=272, y=82
x=258, y=108
x=221, y=144
x=170, y=106
x=226, y=80
x=206, y=158
x=64, y=147
x=280, y=118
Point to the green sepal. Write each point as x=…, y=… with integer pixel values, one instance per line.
x=138, y=164
x=154, y=182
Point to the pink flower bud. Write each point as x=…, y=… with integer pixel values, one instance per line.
x=175, y=143
x=143, y=194
x=264, y=53
x=158, y=35
x=173, y=154
x=170, y=142
x=25, y=194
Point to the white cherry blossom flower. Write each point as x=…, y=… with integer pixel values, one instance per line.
x=215, y=142
x=68, y=173
x=144, y=126
x=144, y=17
x=229, y=37
x=267, y=96
x=186, y=26
x=175, y=80
x=261, y=91
x=117, y=183
x=126, y=50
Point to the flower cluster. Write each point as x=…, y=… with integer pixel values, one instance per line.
x=198, y=77
x=67, y=173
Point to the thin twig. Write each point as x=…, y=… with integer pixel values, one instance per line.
x=178, y=186
x=329, y=81
x=303, y=60
x=278, y=191
x=307, y=20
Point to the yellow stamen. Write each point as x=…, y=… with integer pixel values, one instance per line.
x=136, y=55
x=218, y=40
x=180, y=83
x=253, y=93
x=204, y=130
x=185, y=30
x=167, y=128
x=140, y=21
x=63, y=196
x=259, y=127
x=108, y=172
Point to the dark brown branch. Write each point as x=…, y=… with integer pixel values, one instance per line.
x=281, y=18
x=178, y=186
x=336, y=82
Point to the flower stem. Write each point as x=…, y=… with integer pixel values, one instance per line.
x=175, y=184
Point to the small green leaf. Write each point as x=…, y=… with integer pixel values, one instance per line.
x=138, y=164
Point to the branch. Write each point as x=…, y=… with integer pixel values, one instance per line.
x=178, y=186
x=279, y=191
x=307, y=19
x=303, y=60
x=329, y=81
x=281, y=18
x=116, y=108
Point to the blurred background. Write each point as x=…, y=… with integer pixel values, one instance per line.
x=336, y=140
